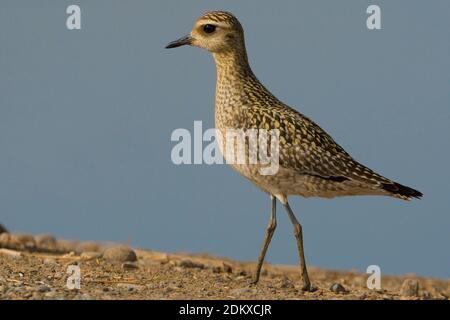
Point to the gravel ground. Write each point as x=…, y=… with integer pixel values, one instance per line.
x=36, y=268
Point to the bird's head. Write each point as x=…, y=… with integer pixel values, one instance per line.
x=215, y=31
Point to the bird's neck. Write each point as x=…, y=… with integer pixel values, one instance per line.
x=236, y=83
x=232, y=67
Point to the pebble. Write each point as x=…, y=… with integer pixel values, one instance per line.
x=410, y=288
x=338, y=288
x=42, y=289
x=11, y=253
x=119, y=254
x=167, y=290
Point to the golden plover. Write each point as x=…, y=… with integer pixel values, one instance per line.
x=311, y=163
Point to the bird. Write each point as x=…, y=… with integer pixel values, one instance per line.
x=311, y=163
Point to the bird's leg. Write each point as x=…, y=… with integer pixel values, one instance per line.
x=269, y=233
x=299, y=236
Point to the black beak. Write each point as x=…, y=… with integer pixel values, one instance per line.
x=180, y=42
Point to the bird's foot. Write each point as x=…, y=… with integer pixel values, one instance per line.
x=308, y=287
x=253, y=282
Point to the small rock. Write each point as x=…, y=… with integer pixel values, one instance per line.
x=42, y=289
x=11, y=253
x=119, y=254
x=338, y=288
x=410, y=288
x=167, y=290
x=45, y=241
x=90, y=255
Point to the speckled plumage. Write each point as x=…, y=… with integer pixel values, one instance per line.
x=311, y=163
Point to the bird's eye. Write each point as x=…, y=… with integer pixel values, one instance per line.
x=209, y=28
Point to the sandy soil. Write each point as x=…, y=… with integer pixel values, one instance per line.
x=36, y=268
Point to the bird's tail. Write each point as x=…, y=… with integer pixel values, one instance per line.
x=400, y=191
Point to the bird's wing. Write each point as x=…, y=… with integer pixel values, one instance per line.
x=308, y=149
